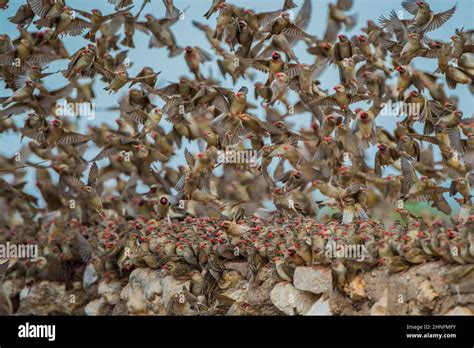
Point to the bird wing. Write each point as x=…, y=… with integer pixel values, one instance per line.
x=410, y=7
x=409, y=175
x=84, y=248
x=293, y=30
x=109, y=75
x=440, y=18
x=93, y=175
x=70, y=137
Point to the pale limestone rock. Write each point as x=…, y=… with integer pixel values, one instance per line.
x=356, y=288
x=460, y=310
x=96, y=307
x=238, y=293
x=381, y=306
x=110, y=291
x=135, y=300
x=229, y=279
x=152, y=287
x=90, y=276
x=290, y=300
x=171, y=287
x=316, y=280
x=320, y=307
x=426, y=295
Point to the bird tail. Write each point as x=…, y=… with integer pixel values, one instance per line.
x=175, y=51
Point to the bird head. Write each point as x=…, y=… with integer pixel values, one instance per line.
x=164, y=200
x=87, y=189
x=326, y=46
x=225, y=224
x=281, y=76
x=56, y=123
x=275, y=55
x=279, y=124
x=188, y=49
x=362, y=38
x=455, y=38
x=422, y=4
x=436, y=44
x=297, y=174
x=400, y=69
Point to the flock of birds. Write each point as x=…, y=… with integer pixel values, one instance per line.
x=191, y=221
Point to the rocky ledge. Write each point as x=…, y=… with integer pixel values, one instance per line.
x=431, y=288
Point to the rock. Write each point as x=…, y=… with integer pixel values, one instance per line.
x=426, y=295
x=381, y=307
x=134, y=299
x=48, y=298
x=229, y=279
x=266, y=272
x=90, y=276
x=110, y=290
x=171, y=287
x=152, y=287
x=290, y=300
x=356, y=288
x=239, y=267
x=397, y=298
x=320, y=307
x=96, y=307
x=375, y=284
x=238, y=292
x=316, y=280
x=413, y=308
x=460, y=310
x=257, y=295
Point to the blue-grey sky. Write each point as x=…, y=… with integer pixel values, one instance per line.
x=187, y=34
